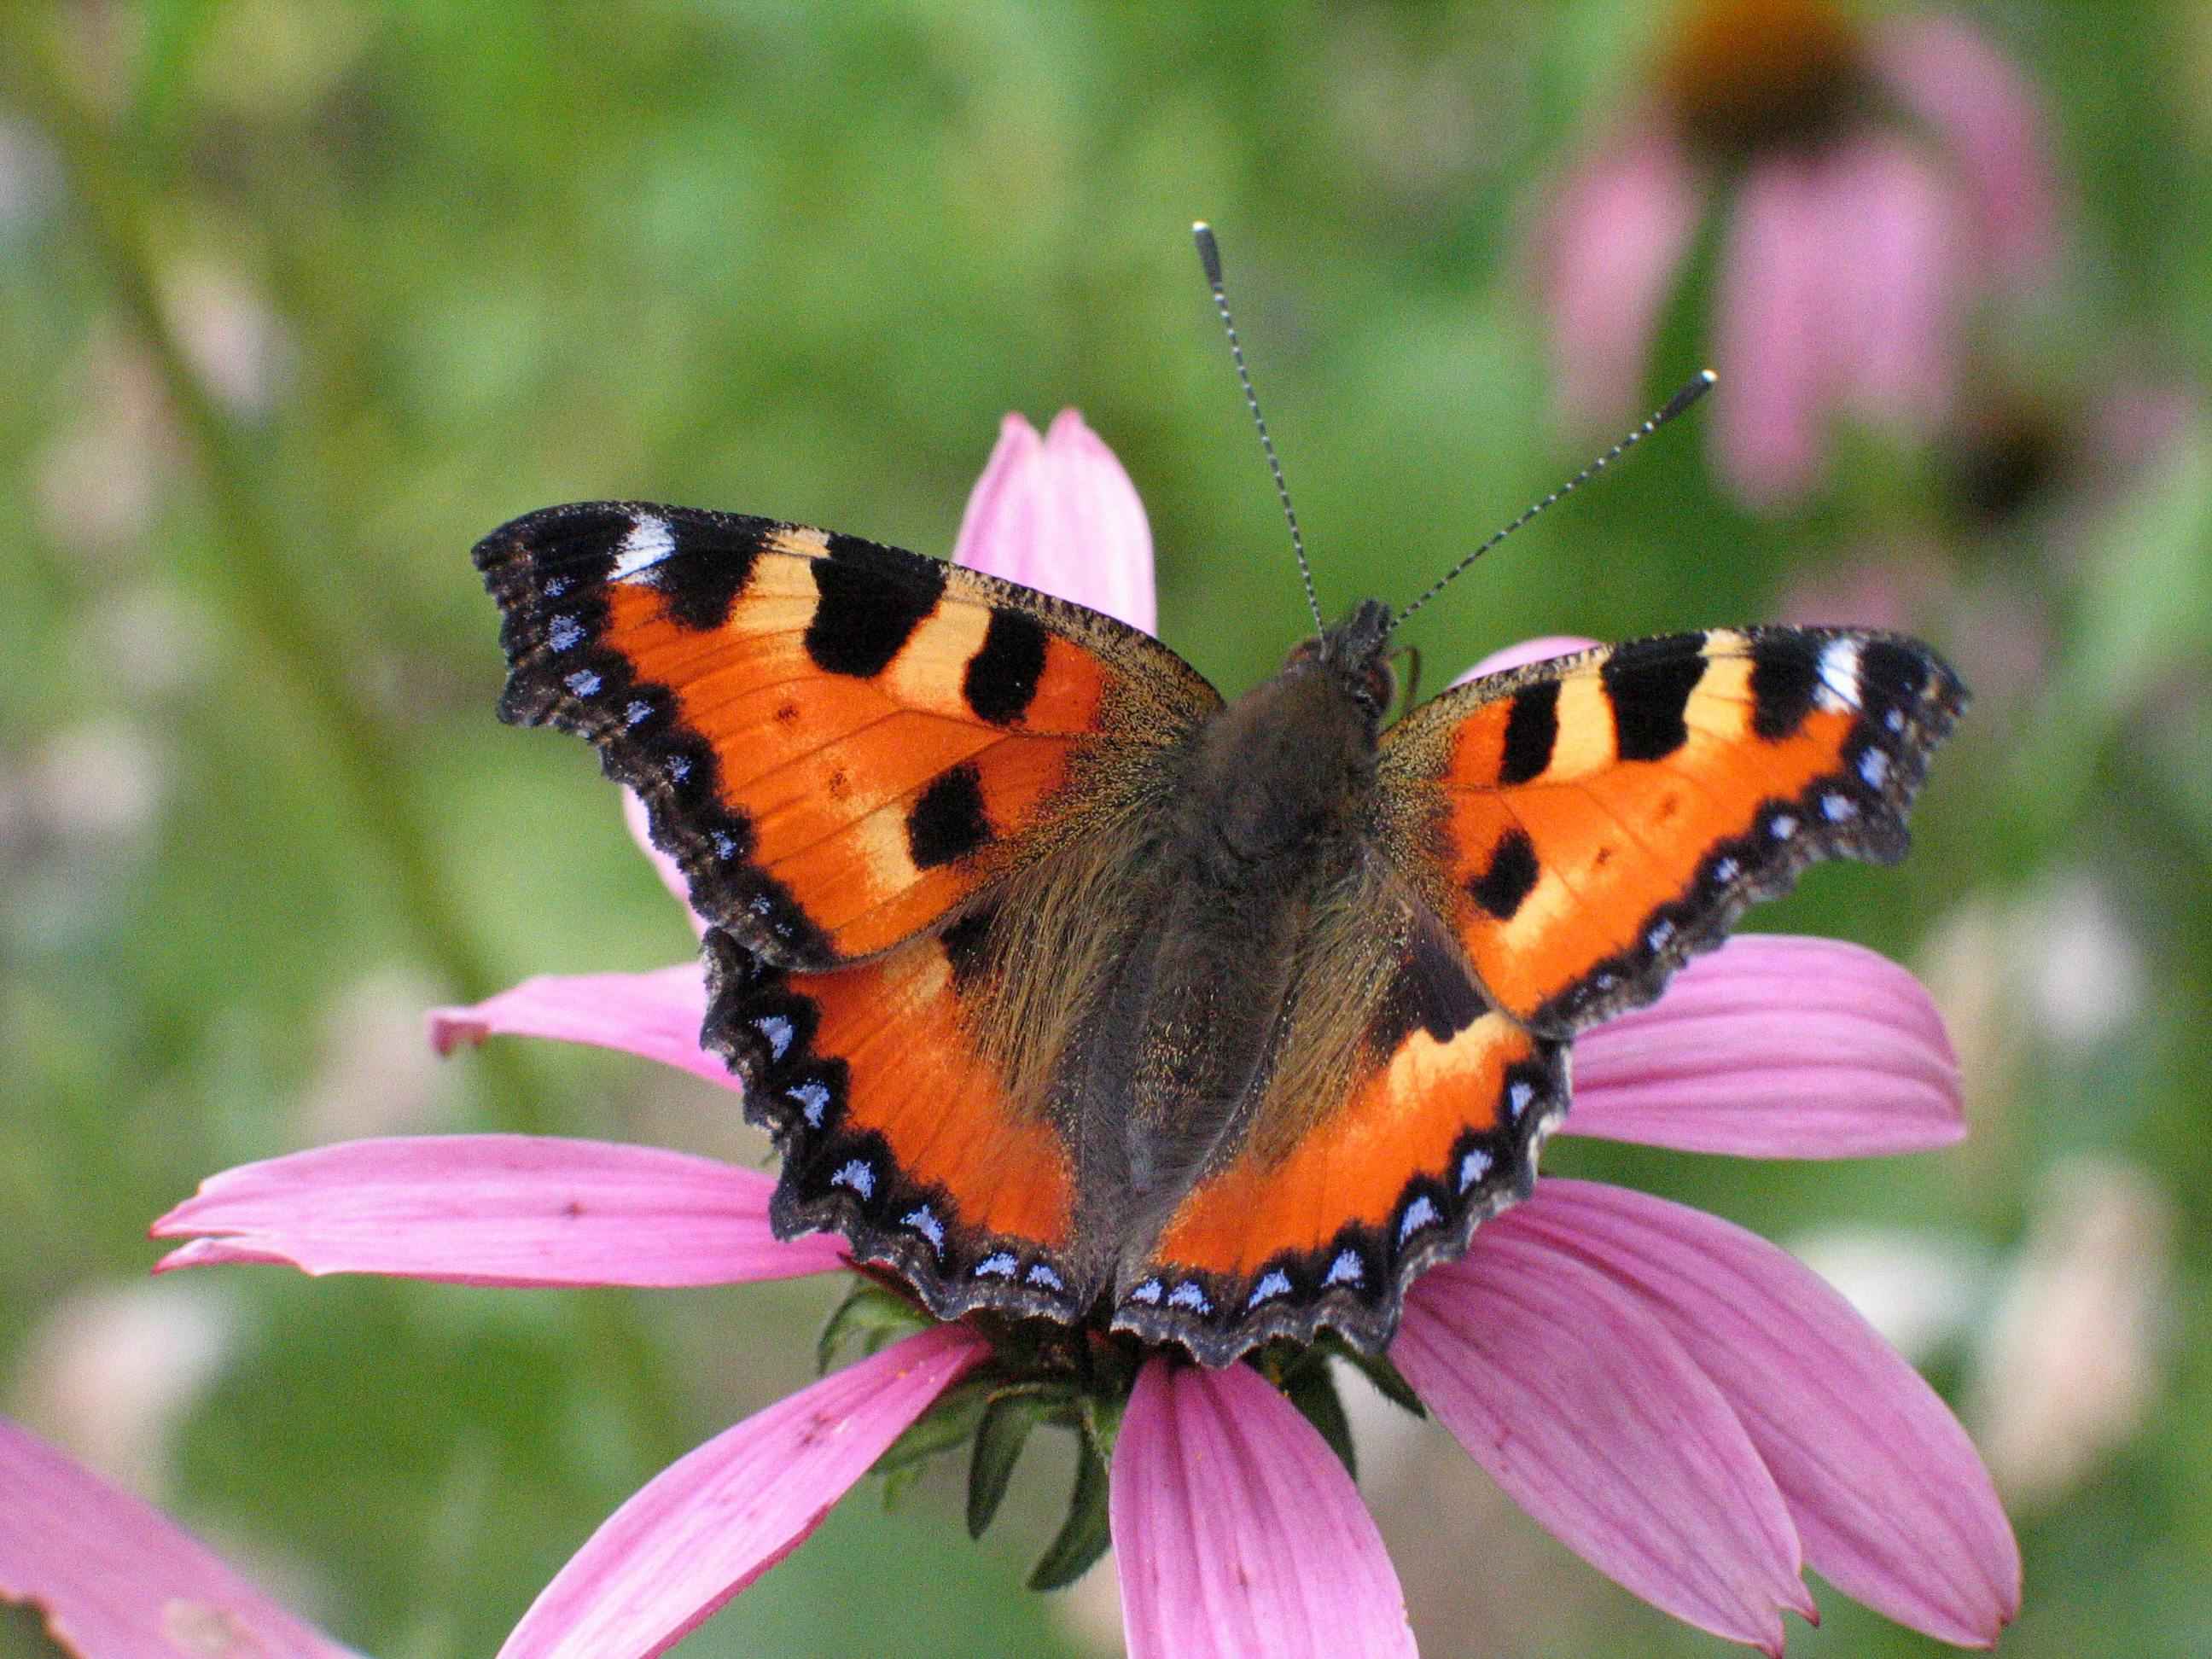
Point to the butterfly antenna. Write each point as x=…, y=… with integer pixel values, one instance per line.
x=1209, y=255
x=1673, y=406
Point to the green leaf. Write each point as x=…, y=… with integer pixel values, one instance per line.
x=1084, y=1536
x=1007, y=1420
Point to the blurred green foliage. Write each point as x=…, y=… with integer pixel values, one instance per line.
x=434, y=265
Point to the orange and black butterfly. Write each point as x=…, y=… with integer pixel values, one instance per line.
x=1069, y=990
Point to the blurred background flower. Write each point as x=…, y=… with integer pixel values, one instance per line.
x=298, y=297
x=1877, y=176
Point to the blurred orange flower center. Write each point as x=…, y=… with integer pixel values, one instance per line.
x=1750, y=75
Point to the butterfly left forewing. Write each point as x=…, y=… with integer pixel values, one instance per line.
x=841, y=743
x=1585, y=825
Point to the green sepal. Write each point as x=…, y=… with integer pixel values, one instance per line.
x=946, y=1424
x=1088, y=1530
x=1008, y=1418
x=872, y=1314
x=1310, y=1386
x=1389, y=1382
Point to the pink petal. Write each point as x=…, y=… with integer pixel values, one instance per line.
x=1580, y=1406
x=1889, y=1493
x=1774, y=1047
x=1770, y=327
x=1616, y=236
x=1059, y=513
x=1542, y=649
x=1986, y=114
x=1896, y=252
x=671, y=874
x=712, y=1522
x=1237, y=1530
x=657, y=1015
x=117, y=1580
x=496, y=1210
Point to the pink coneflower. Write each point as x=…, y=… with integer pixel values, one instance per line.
x=1680, y=1402
x=116, y=1579
x=1878, y=177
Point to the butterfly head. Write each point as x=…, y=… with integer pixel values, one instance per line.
x=1351, y=652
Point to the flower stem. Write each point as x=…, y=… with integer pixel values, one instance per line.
x=256, y=585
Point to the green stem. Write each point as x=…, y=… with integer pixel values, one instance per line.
x=265, y=602
x=256, y=584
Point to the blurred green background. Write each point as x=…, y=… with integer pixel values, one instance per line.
x=298, y=297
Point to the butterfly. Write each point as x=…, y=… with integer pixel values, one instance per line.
x=1069, y=990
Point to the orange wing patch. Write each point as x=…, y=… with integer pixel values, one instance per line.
x=894, y=1131
x=839, y=742
x=1326, y=1226
x=1589, y=823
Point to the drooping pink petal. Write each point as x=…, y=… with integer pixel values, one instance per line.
x=496, y=1210
x=672, y=875
x=1580, y=1406
x=656, y=1014
x=717, y=1518
x=1238, y=1531
x=1059, y=513
x=1615, y=236
x=117, y=1579
x=1986, y=114
x=1776, y=1046
x=1771, y=332
x=1887, y=1492
x=1896, y=246
x=1541, y=649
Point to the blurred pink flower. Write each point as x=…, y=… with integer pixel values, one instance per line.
x=1680, y=1402
x=115, y=1579
x=1879, y=179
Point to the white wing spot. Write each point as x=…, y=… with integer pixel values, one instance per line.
x=1274, y=1282
x=565, y=633
x=1873, y=767
x=636, y=713
x=925, y=1222
x=998, y=1265
x=650, y=541
x=1894, y=720
x=1346, y=1269
x=1660, y=933
x=680, y=768
x=1782, y=828
x=583, y=682
x=777, y=1030
x=725, y=846
x=1726, y=871
x=859, y=1176
x=1473, y=1168
x=1517, y=1101
x=1040, y=1274
x=1837, y=808
x=1838, y=690
x=1189, y=1295
x=1149, y=1292
x=1421, y=1213
x=813, y=1099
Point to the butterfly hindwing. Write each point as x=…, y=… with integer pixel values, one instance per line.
x=896, y=1128
x=1587, y=824
x=1338, y=1198
x=839, y=742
